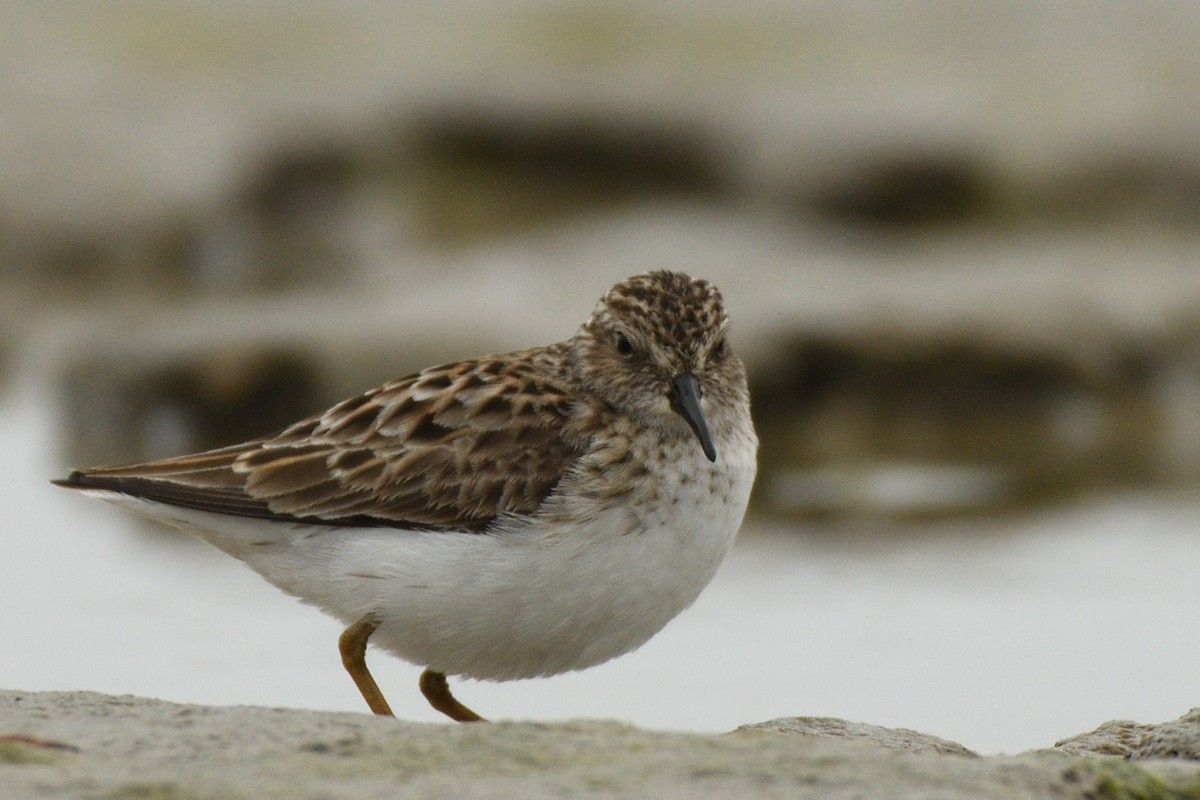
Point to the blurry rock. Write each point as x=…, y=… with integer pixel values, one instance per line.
x=316, y=210
x=120, y=410
x=897, y=423
x=904, y=190
x=1129, y=186
x=490, y=168
x=891, y=489
x=1176, y=390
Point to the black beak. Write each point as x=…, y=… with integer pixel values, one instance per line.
x=685, y=401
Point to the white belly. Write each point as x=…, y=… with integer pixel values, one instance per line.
x=524, y=601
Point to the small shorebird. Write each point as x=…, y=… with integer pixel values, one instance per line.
x=512, y=516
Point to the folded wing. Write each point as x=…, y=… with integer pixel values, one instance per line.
x=449, y=448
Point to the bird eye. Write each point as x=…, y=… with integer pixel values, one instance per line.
x=623, y=345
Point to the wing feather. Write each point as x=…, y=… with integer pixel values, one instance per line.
x=449, y=448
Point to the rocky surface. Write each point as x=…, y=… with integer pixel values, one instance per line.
x=833, y=728
x=87, y=745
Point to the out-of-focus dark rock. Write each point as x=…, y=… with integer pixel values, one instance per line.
x=894, y=423
x=122, y=410
x=487, y=170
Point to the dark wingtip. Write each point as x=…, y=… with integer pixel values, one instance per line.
x=73, y=481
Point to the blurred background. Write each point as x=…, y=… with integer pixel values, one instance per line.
x=958, y=242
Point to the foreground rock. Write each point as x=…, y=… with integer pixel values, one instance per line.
x=90, y=745
x=1133, y=740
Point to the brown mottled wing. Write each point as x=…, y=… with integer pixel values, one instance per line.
x=449, y=448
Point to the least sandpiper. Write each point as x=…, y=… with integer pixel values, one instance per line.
x=512, y=516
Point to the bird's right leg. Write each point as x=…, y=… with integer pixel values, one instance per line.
x=353, y=646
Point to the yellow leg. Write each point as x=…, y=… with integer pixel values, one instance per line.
x=437, y=692
x=353, y=646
